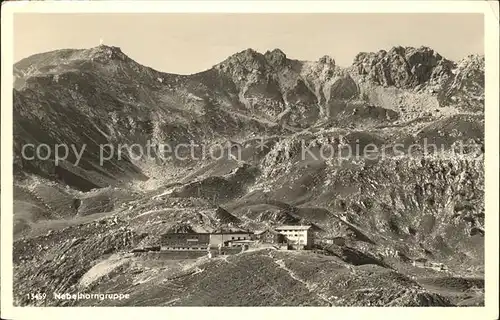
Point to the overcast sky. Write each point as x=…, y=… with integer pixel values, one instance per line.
x=189, y=43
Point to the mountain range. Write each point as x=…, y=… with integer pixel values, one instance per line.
x=391, y=210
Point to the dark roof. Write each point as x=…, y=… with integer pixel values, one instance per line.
x=227, y=230
x=268, y=230
x=232, y=232
x=207, y=233
x=181, y=228
x=293, y=228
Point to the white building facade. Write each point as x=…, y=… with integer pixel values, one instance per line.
x=300, y=237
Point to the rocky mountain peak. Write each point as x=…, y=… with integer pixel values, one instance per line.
x=276, y=57
x=249, y=60
x=421, y=55
x=404, y=67
x=327, y=60
x=66, y=59
x=466, y=86
x=473, y=61
x=105, y=53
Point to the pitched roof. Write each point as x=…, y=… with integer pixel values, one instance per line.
x=293, y=228
x=266, y=230
x=223, y=230
x=232, y=232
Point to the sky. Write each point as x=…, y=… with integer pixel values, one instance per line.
x=190, y=43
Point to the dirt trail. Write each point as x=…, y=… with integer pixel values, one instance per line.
x=311, y=287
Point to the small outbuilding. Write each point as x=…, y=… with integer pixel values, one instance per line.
x=270, y=236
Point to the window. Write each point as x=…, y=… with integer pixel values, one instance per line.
x=238, y=238
x=232, y=238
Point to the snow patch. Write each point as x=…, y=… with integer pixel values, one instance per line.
x=102, y=269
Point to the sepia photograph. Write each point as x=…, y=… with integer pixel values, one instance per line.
x=183, y=158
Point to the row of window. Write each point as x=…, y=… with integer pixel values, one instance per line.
x=286, y=231
x=197, y=237
x=294, y=240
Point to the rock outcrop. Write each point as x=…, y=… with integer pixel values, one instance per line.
x=405, y=67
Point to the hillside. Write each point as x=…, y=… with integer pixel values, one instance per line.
x=288, y=128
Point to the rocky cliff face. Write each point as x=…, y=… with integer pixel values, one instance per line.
x=404, y=205
x=280, y=88
x=466, y=88
x=424, y=70
x=405, y=67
